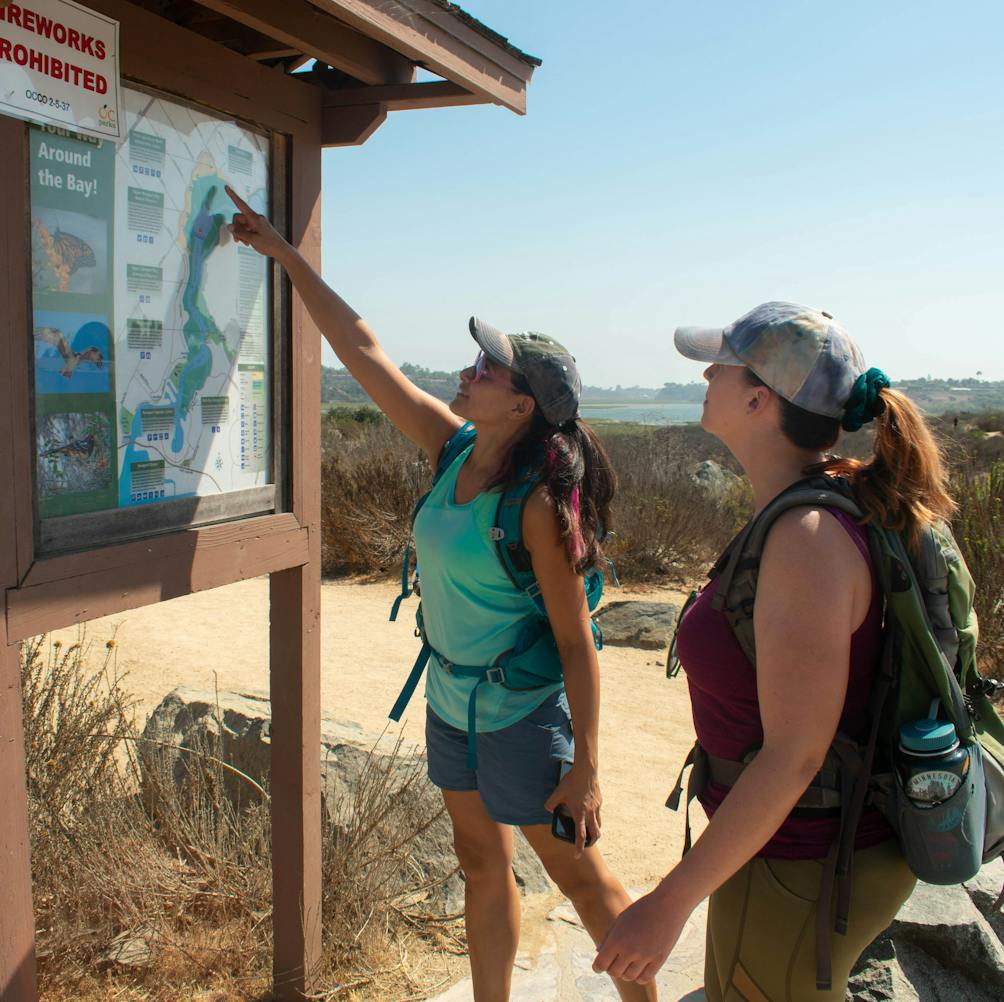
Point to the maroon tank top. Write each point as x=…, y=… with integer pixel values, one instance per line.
x=723, y=694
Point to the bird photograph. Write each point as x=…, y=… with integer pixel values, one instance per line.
x=57, y=339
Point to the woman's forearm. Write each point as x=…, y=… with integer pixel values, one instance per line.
x=342, y=327
x=748, y=817
x=582, y=686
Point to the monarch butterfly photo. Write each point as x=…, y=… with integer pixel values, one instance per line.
x=68, y=252
x=74, y=252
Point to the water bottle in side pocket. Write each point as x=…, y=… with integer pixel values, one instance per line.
x=941, y=800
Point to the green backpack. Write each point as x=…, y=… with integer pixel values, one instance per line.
x=533, y=661
x=928, y=662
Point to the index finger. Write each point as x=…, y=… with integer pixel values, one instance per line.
x=239, y=202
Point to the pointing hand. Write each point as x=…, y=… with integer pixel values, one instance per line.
x=252, y=228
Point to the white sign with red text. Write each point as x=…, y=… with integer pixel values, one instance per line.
x=59, y=64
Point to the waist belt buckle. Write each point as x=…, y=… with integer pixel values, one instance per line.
x=496, y=676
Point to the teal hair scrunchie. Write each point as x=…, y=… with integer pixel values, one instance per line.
x=864, y=404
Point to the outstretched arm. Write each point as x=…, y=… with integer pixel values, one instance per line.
x=428, y=422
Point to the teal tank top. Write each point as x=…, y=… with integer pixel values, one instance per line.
x=472, y=610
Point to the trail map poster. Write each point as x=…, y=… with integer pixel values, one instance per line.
x=151, y=327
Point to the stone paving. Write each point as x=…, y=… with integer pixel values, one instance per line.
x=561, y=971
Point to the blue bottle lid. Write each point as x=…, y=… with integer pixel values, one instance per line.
x=928, y=735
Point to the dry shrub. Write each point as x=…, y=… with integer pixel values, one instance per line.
x=154, y=883
x=666, y=527
x=371, y=477
x=118, y=895
x=376, y=890
x=83, y=816
x=979, y=529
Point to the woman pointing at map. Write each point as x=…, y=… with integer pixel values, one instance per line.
x=499, y=747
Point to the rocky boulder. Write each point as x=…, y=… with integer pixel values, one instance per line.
x=940, y=947
x=713, y=479
x=355, y=767
x=648, y=625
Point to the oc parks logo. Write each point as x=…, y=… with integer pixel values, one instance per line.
x=107, y=117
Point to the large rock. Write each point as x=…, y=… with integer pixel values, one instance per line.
x=939, y=948
x=984, y=889
x=237, y=728
x=637, y=624
x=713, y=479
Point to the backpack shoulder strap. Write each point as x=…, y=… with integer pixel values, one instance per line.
x=455, y=445
x=508, y=532
x=737, y=578
x=513, y=554
x=452, y=448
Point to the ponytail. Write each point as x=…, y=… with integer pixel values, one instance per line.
x=905, y=485
x=579, y=479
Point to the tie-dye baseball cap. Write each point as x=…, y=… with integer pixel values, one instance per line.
x=801, y=353
x=547, y=366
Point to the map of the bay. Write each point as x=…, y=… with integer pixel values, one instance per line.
x=192, y=362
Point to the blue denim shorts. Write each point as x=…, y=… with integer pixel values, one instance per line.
x=518, y=766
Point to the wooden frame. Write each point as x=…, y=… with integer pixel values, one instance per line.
x=48, y=593
x=306, y=29
x=377, y=44
x=68, y=533
x=439, y=41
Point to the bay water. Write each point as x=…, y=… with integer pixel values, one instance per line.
x=642, y=411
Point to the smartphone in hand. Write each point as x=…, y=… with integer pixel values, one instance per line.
x=562, y=823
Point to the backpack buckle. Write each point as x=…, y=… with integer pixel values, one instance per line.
x=496, y=676
x=534, y=590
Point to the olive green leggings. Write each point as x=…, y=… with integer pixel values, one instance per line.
x=761, y=926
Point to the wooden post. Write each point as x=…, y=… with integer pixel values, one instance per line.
x=17, y=921
x=295, y=647
x=296, y=781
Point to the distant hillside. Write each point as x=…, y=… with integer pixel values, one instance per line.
x=935, y=396
x=682, y=393
x=338, y=387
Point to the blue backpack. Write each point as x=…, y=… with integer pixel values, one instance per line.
x=533, y=661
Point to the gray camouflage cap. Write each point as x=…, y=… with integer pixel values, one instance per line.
x=547, y=366
x=802, y=354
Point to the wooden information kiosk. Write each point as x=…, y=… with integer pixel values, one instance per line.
x=160, y=387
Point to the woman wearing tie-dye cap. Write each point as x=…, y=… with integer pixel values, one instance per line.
x=783, y=380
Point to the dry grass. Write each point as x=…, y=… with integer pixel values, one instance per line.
x=979, y=529
x=371, y=477
x=153, y=882
x=665, y=526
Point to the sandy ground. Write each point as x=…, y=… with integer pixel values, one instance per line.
x=220, y=638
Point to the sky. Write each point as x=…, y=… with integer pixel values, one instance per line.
x=680, y=163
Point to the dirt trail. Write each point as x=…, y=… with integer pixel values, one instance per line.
x=221, y=638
